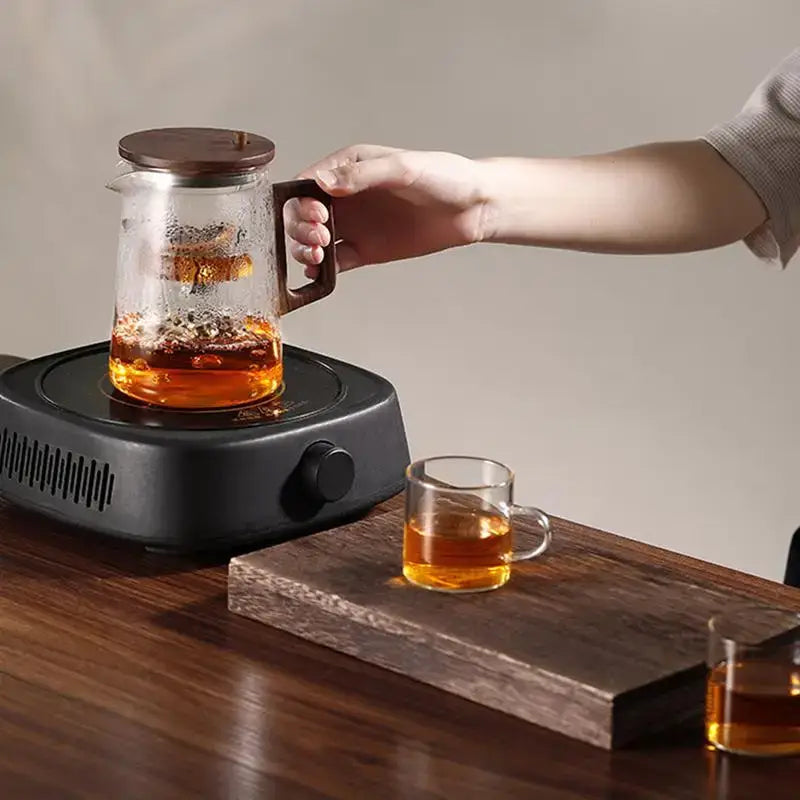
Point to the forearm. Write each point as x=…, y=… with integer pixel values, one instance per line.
x=656, y=198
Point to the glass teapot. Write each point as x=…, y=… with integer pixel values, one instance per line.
x=201, y=269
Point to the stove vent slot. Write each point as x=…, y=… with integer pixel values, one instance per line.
x=55, y=471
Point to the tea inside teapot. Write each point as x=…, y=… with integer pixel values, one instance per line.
x=201, y=359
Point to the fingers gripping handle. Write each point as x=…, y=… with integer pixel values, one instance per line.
x=290, y=299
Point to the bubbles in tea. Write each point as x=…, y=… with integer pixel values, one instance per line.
x=195, y=359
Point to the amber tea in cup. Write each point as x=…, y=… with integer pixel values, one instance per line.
x=459, y=524
x=753, y=684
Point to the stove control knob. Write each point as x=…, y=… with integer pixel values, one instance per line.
x=327, y=471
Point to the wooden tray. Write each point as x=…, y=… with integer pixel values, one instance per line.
x=603, y=639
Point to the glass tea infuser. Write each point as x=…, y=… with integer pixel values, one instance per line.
x=201, y=278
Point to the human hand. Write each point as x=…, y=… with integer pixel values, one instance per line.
x=389, y=204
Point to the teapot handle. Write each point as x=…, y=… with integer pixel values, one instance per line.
x=290, y=299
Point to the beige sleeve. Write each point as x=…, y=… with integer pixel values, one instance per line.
x=762, y=143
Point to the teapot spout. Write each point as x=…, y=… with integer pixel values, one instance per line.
x=123, y=179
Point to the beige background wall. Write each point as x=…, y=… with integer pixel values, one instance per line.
x=654, y=396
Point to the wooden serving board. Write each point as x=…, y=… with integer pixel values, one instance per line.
x=602, y=639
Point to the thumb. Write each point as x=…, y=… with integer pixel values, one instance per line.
x=387, y=172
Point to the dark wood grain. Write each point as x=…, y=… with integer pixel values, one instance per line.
x=123, y=675
x=602, y=640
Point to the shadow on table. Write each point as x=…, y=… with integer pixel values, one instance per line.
x=26, y=536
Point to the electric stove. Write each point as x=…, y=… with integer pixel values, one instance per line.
x=330, y=446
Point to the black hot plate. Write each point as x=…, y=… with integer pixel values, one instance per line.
x=328, y=448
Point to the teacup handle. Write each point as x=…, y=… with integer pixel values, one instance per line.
x=542, y=521
x=290, y=299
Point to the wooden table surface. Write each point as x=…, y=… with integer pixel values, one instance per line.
x=123, y=675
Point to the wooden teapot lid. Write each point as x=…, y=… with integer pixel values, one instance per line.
x=196, y=151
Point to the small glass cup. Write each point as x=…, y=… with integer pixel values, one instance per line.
x=458, y=524
x=753, y=684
